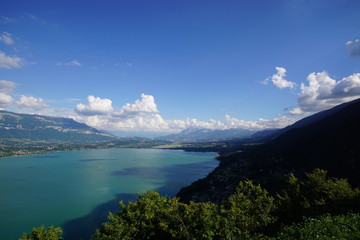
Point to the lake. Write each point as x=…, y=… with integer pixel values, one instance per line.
x=76, y=190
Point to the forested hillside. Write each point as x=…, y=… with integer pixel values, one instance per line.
x=329, y=142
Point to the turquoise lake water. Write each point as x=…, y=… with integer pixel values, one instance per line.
x=76, y=190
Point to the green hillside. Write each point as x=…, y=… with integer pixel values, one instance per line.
x=20, y=129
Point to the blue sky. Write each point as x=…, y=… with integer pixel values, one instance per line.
x=163, y=66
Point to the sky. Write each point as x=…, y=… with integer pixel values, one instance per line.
x=137, y=67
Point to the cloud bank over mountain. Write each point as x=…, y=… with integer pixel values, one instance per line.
x=143, y=115
x=323, y=92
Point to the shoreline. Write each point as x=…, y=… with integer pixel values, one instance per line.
x=73, y=148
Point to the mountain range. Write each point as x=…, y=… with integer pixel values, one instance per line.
x=196, y=135
x=19, y=129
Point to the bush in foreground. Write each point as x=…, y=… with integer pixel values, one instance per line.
x=315, y=196
x=324, y=227
x=41, y=233
x=156, y=217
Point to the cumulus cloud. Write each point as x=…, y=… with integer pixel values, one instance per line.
x=5, y=88
x=143, y=115
x=10, y=62
x=31, y=102
x=75, y=63
x=279, y=80
x=178, y=125
x=230, y=123
x=140, y=115
x=154, y=122
x=150, y=122
x=95, y=106
x=323, y=92
x=297, y=111
x=96, y=121
x=6, y=38
x=278, y=122
x=354, y=48
x=5, y=100
x=145, y=105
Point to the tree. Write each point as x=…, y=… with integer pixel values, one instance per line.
x=156, y=217
x=40, y=233
x=151, y=216
x=246, y=211
x=202, y=221
x=324, y=227
x=316, y=195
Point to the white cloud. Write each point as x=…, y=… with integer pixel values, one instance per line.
x=10, y=62
x=323, y=92
x=6, y=86
x=6, y=38
x=149, y=122
x=74, y=63
x=31, y=102
x=178, y=125
x=354, y=48
x=297, y=111
x=154, y=122
x=97, y=121
x=143, y=115
x=260, y=124
x=230, y=123
x=5, y=100
x=279, y=80
x=95, y=106
x=145, y=105
x=348, y=87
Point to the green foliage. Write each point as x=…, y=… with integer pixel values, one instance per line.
x=156, y=217
x=325, y=227
x=40, y=233
x=151, y=216
x=315, y=196
x=201, y=220
x=247, y=210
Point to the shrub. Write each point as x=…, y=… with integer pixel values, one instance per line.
x=325, y=227
x=316, y=195
x=40, y=233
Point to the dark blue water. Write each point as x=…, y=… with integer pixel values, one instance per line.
x=76, y=190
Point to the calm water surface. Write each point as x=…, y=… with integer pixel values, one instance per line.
x=76, y=190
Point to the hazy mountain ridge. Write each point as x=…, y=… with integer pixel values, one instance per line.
x=206, y=135
x=17, y=127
